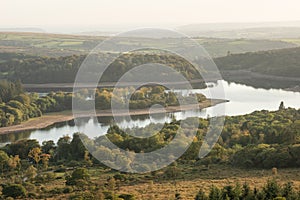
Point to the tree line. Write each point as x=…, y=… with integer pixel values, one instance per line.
x=37, y=70
x=282, y=62
x=271, y=190
x=17, y=106
x=262, y=139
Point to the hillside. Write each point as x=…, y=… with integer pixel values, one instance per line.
x=284, y=62
x=268, y=69
x=40, y=70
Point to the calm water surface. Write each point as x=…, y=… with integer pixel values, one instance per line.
x=243, y=99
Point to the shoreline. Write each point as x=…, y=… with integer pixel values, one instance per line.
x=291, y=84
x=50, y=119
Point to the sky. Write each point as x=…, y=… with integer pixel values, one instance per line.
x=65, y=14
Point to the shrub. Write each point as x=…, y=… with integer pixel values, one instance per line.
x=46, y=177
x=127, y=196
x=57, y=190
x=67, y=190
x=29, y=186
x=120, y=177
x=201, y=195
x=14, y=190
x=79, y=175
x=83, y=196
x=272, y=189
x=32, y=195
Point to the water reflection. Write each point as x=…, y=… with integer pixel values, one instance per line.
x=243, y=100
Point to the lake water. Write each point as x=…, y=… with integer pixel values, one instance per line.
x=243, y=99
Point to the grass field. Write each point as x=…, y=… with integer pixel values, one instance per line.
x=292, y=40
x=191, y=180
x=55, y=44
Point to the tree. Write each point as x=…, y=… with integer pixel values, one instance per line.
x=3, y=160
x=77, y=148
x=23, y=98
x=281, y=106
x=271, y=190
x=14, y=162
x=158, y=90
x=288, y=191
x=47, y=146
x=87, y=159
x=22, y=147
x=63, y=150
x=111, y=185
x=35, y=154
x=215, y=193
x=45, y=160
x=246, y=192
x=9, y=90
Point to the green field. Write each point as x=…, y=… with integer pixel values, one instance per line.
x=45, y=44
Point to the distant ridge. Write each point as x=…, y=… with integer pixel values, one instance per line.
x=270, y=30
x=234, y=26
x=29, y=29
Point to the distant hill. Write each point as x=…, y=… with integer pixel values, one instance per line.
x=275, y=30
x=221, y=47
x=29, y=29
x=56, y=45
x=283, y=62
x=267, y=69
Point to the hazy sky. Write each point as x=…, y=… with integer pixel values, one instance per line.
x=56, y=13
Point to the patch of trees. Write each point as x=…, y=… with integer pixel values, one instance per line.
x=271, y=190
x=8, y=90
x=143, y=97
x=18, y=106
x=283, y=62
x=267, y=156
x=42, y=69
x=24, y=165
x=261, y=139
x=63, y=69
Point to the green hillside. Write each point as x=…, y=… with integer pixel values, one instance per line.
x=284, y=62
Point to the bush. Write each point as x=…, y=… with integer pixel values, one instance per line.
x=127, y=196
x=67, y=190
x=14, y=190
x=83, y=196
x=120, y=177
x=57, y=190
x=60, y=169
x=32, y=195
x=46, y=177
x=29, y=186
x=272, y=189
x=77, y=175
